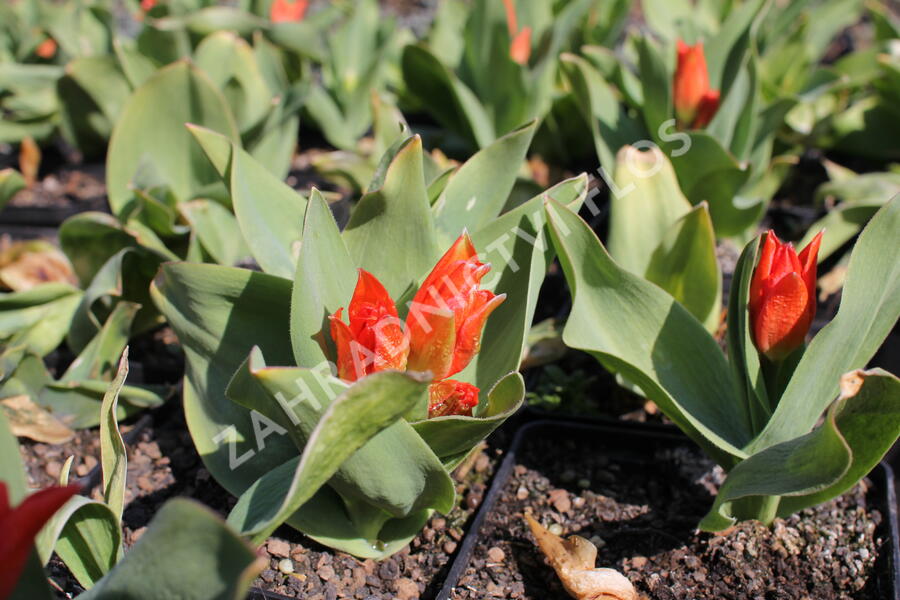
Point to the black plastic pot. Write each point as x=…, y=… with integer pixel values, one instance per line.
x=635, y=439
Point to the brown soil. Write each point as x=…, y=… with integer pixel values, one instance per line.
x=641, y=507
x=163, y=464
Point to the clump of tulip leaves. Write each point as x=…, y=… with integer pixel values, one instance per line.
x=377, y=468
x=185, y=550
x=759, y=426
x=168, y=204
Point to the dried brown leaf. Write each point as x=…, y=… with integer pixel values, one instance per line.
x=573, y=560
x=27, y=419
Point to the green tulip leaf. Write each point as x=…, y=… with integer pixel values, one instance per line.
x=640, y=331
x=188, y=553
x=859, y=429
x=151, y=127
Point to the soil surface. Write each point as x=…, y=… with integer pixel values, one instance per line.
x=163, y=464
x=641, y=510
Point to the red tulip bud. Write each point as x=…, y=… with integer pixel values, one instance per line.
x=46, y=49
x=520, y=48
x=451, y=397
x=448, y=312
x=374, y=340
x=695, y=102
x=283, y=11
x=783, y=296
x=19, y=525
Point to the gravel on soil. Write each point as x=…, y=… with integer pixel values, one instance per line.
x=642, y=516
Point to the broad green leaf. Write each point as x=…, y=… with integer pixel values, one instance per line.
x=12, y=471
x=644, y=206
x=685, y=265
x=37, y=319
x=99, y=358
x=453, y=104
x=231, y=65
x=86, y=535
x=90, y=239
x=813, y=468
x=454, y=435
x=11, y=183
x=113, y=457
x=187, y=553
x=870, y=306
x=152, y=127
x=517, y=246
x=136, y=66
x=217, y=229
x=477, y=191
x=382, y=398
x=219, y=314
x=324, y=282
x=657, y=85
x=391, y=232
x=708, y=172
x=742, y=354
x=270, y=214
x=634, y=327
x=78, y=403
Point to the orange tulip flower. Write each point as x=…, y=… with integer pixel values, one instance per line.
x=441, y=334
x=448, y=312
x=283, y=11
x=19, y=525
x=783, y=296
x=146, y=5
x=374, y=340
x=695, y=102
x=520, y=47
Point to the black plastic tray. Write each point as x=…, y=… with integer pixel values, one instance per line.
x=635, y=438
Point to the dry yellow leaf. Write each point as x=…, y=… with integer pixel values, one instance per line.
x=27, y=419
x=573, y=560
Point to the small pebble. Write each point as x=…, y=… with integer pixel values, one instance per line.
x=496, y=554
x=555, y=529
x=286, y=566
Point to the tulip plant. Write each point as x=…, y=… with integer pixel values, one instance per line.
x=445, y=76
x=697, y=96
x=755, y=413
x=359, y=456
x=185, y=545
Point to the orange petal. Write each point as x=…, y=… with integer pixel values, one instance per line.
x=706, y=110
x=783, y=319
x=461, y=250
x=283, y=11
x=432, y=339
x=520, y=47
x=468, y=335
x=511, y=23
x=350, y=364
x=763, y=269
x=451, y=397
x=691, y=82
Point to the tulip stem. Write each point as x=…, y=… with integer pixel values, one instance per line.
x=761, y=508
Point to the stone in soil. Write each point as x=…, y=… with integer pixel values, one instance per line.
x=644, y=523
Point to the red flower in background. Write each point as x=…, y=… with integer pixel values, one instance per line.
x=783, y=296
x=146, y=5
x=695, y=102
x=442, y=332
x=283, y=11
x=520, y=47
x=46, y=49
x=19, y=525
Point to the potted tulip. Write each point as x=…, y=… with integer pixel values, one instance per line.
x=774, y=479
x=396, y=302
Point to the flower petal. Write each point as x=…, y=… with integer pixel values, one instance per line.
x=783, y=319
x=468, y=335
x=451, y=397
